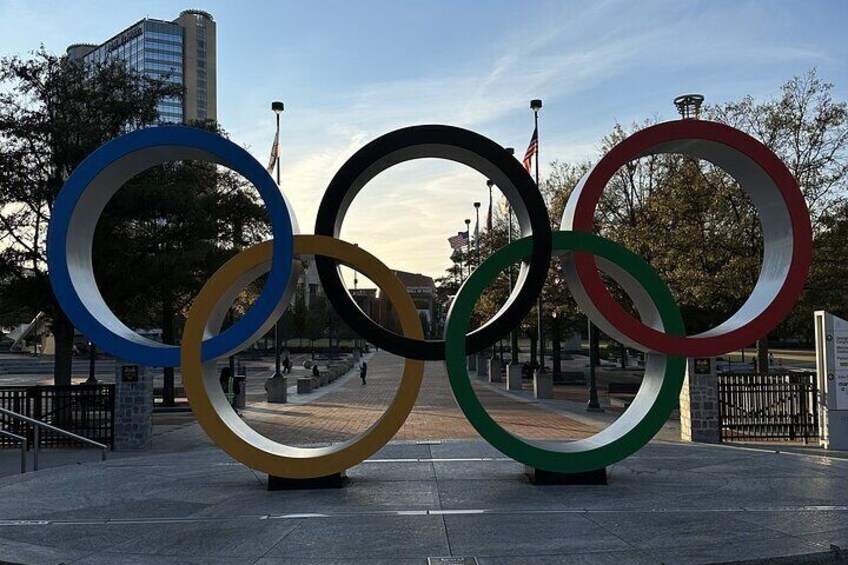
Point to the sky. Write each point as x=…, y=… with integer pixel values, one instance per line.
x=349, y=72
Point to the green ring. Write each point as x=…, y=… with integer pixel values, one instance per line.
x=590, y=453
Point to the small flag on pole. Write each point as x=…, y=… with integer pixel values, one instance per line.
x=459, y=241
x=531, y=149
x=275, y=152
x=504, y=205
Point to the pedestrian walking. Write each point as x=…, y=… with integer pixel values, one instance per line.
x=315, y=372
x=363, y=370
x=286, y=364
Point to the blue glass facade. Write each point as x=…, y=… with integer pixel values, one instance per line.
x=167, y=51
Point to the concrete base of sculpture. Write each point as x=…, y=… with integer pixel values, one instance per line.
x=542, y=477
x=513, y=376
x=543, y=385
x=336, y=480
x=275, y=390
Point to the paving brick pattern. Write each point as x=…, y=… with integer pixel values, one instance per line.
x=350, y=409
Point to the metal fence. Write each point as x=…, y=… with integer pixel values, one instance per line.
x=773, y=406
x=86, y=410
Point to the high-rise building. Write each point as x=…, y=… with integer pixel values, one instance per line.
x=181, y=51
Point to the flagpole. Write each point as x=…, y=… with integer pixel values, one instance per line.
x=536, y=105
x=513, y=335
x=277, y=108
x=468, y=245
x=477, y=233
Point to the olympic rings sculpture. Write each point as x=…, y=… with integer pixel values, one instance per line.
x=660, y=332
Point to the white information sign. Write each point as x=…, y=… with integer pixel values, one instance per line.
x=837, y=342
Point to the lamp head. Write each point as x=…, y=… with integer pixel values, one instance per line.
x=277, y=106
x=476, y=204
x=536, y=104
x=490, y=183
x=510, y=150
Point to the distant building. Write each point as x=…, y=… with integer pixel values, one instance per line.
x=422, y=289
x=374, y=303
x=181, y=51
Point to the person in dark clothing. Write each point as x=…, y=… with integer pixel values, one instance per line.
x=363, y=370
x=224, y=379
x=315, y=372
x=286, y=364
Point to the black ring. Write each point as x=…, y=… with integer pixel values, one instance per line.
x=482, y=155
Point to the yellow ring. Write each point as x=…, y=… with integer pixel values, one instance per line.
x=230, y=432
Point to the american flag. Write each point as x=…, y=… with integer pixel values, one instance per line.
x=459, y=241
x=532, y=149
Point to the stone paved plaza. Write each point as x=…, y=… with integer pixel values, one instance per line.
x=437, y=491
x=670, y=503
x=344, y=408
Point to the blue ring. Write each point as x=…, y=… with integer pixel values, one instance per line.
x=229, y=155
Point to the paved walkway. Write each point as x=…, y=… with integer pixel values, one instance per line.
x=350, y=408
x=669, y=503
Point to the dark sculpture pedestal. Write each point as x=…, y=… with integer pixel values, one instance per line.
x=542, y=477
x=336, y=480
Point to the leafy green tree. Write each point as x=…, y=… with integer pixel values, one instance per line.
x=808, y=129
x=691, y=221
x=53, y=113
x=826, y=285
x=173, y=226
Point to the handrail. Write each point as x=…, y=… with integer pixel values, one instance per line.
x=23, y=441
x=37, y=424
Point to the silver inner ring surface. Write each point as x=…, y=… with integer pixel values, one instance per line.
x=655, y=367
x=774, y=219
x=83, y=222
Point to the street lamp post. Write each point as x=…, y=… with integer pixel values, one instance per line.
x=490, y=184
x=92, y=359
x=513, y=335
x=593, y=404
x=536, y=105
x=277, y=107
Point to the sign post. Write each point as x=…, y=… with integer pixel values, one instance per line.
x=832, y=370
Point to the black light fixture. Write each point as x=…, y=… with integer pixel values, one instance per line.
x=536, y=104
x=689, y=106
x=277, y=106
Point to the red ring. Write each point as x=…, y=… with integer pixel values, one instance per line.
x=641, y=143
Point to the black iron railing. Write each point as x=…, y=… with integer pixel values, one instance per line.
x=768, y=407
x=86, y=410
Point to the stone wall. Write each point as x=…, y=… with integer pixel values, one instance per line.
x=133, y=407
x=699, y=402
